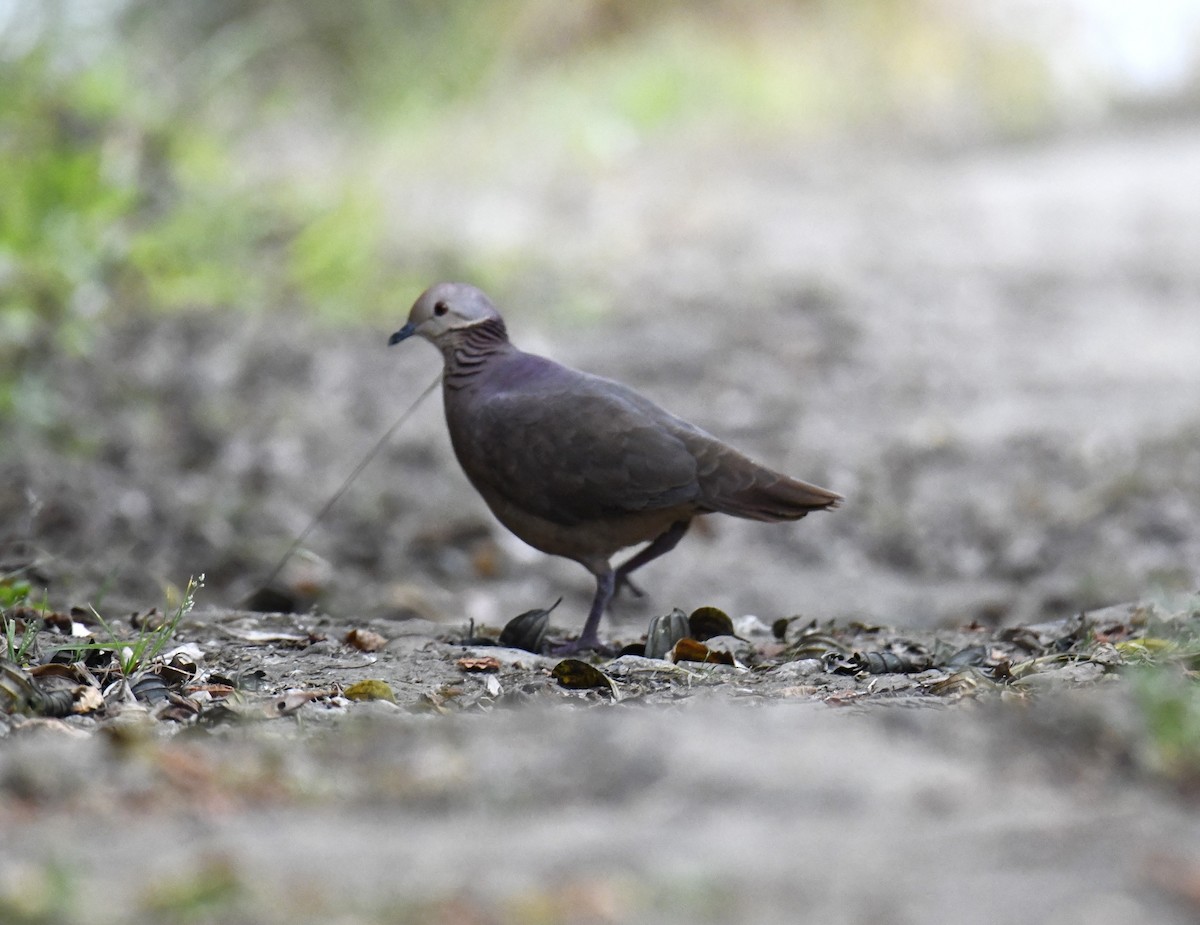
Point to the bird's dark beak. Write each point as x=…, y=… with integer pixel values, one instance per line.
x=403, y=334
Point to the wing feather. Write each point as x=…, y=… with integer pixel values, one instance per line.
x=574, y=448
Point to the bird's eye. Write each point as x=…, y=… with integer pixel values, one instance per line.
x=440, y=308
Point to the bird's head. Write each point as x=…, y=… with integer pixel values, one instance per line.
x=446, y=308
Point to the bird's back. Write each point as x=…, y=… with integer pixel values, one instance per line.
x=573, y=447
x=566, y=446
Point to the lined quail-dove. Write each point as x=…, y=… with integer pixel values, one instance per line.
x=581, y=466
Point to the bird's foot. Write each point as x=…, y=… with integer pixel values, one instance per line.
x=624, y=581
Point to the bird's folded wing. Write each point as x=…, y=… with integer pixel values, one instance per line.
x=567, y=458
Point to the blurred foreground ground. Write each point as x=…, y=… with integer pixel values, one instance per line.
x=680, y=792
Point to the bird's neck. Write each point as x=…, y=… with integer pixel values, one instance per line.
x=466, y=353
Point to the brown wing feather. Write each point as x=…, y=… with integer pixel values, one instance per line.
x=580, y=452
x=732, y=483
x=570, y=447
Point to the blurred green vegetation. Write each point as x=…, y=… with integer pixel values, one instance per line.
x=114, y=200
x=725, y=63
x=1164, y=669
x=57, y=205
x=140, y=140
x=1169, y=698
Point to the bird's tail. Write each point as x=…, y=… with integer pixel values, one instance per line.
x=743, y=488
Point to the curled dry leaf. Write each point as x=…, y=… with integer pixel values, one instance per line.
x=1147, y=649
x=970, y=657
x=370, y=689
x=18, y=693
x=59, y=623
x=178, y=669
x=910, y=660
x=665, y=631
x=528, y=630
x=151, y=620
x=149, y=688
x=59, y=702
x=688, y=650
x=844, y=697
x=87, y=699
x=21, y=693
x=214, y=691
x=365, y=640
x=290, y=701
x=959, y=684
x=261, y=636
x=809, y=641
x=285, y=704
x=64, y=670
x=707, y=622
x=579, y=675
x=478, y=663
x=177, y=709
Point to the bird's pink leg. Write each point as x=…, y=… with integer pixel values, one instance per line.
x=589, y=639
x=662, y=544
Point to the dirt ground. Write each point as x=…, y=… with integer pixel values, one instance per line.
x=993, y=353
x=999, y=771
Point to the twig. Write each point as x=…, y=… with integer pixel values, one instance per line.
x=371, y=454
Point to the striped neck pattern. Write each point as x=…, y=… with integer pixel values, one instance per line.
x=470, y=349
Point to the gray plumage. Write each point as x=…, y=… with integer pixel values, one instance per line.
x=581, y=466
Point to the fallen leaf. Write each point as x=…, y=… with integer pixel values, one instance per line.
x=265, y=635
x=215, y=691
x=665, y=630
x=528, y=630
x=149, y=688
x=579, y=675
x=478, y=663
x=87, y=699
x=1146, y=649
x=365, y=640
x=371, y=689
x=798, y=690
x=910, y=660
x=291, y=701
x=55, y=670
x=707, y=622
x=841, y=698
x=688, y=650
x=188, y=649
x=287, y=703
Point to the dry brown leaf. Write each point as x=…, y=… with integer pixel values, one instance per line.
x=370, y=689
x=798, y=690
x=688, y=650
x=579, y=675
x=707, y=622
x=215, y=691
x=365, y=640
x=87, y=700
x=478, y=663
x=841, y=698
x=290, y=701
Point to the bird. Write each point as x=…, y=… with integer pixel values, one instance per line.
x=580, y=466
